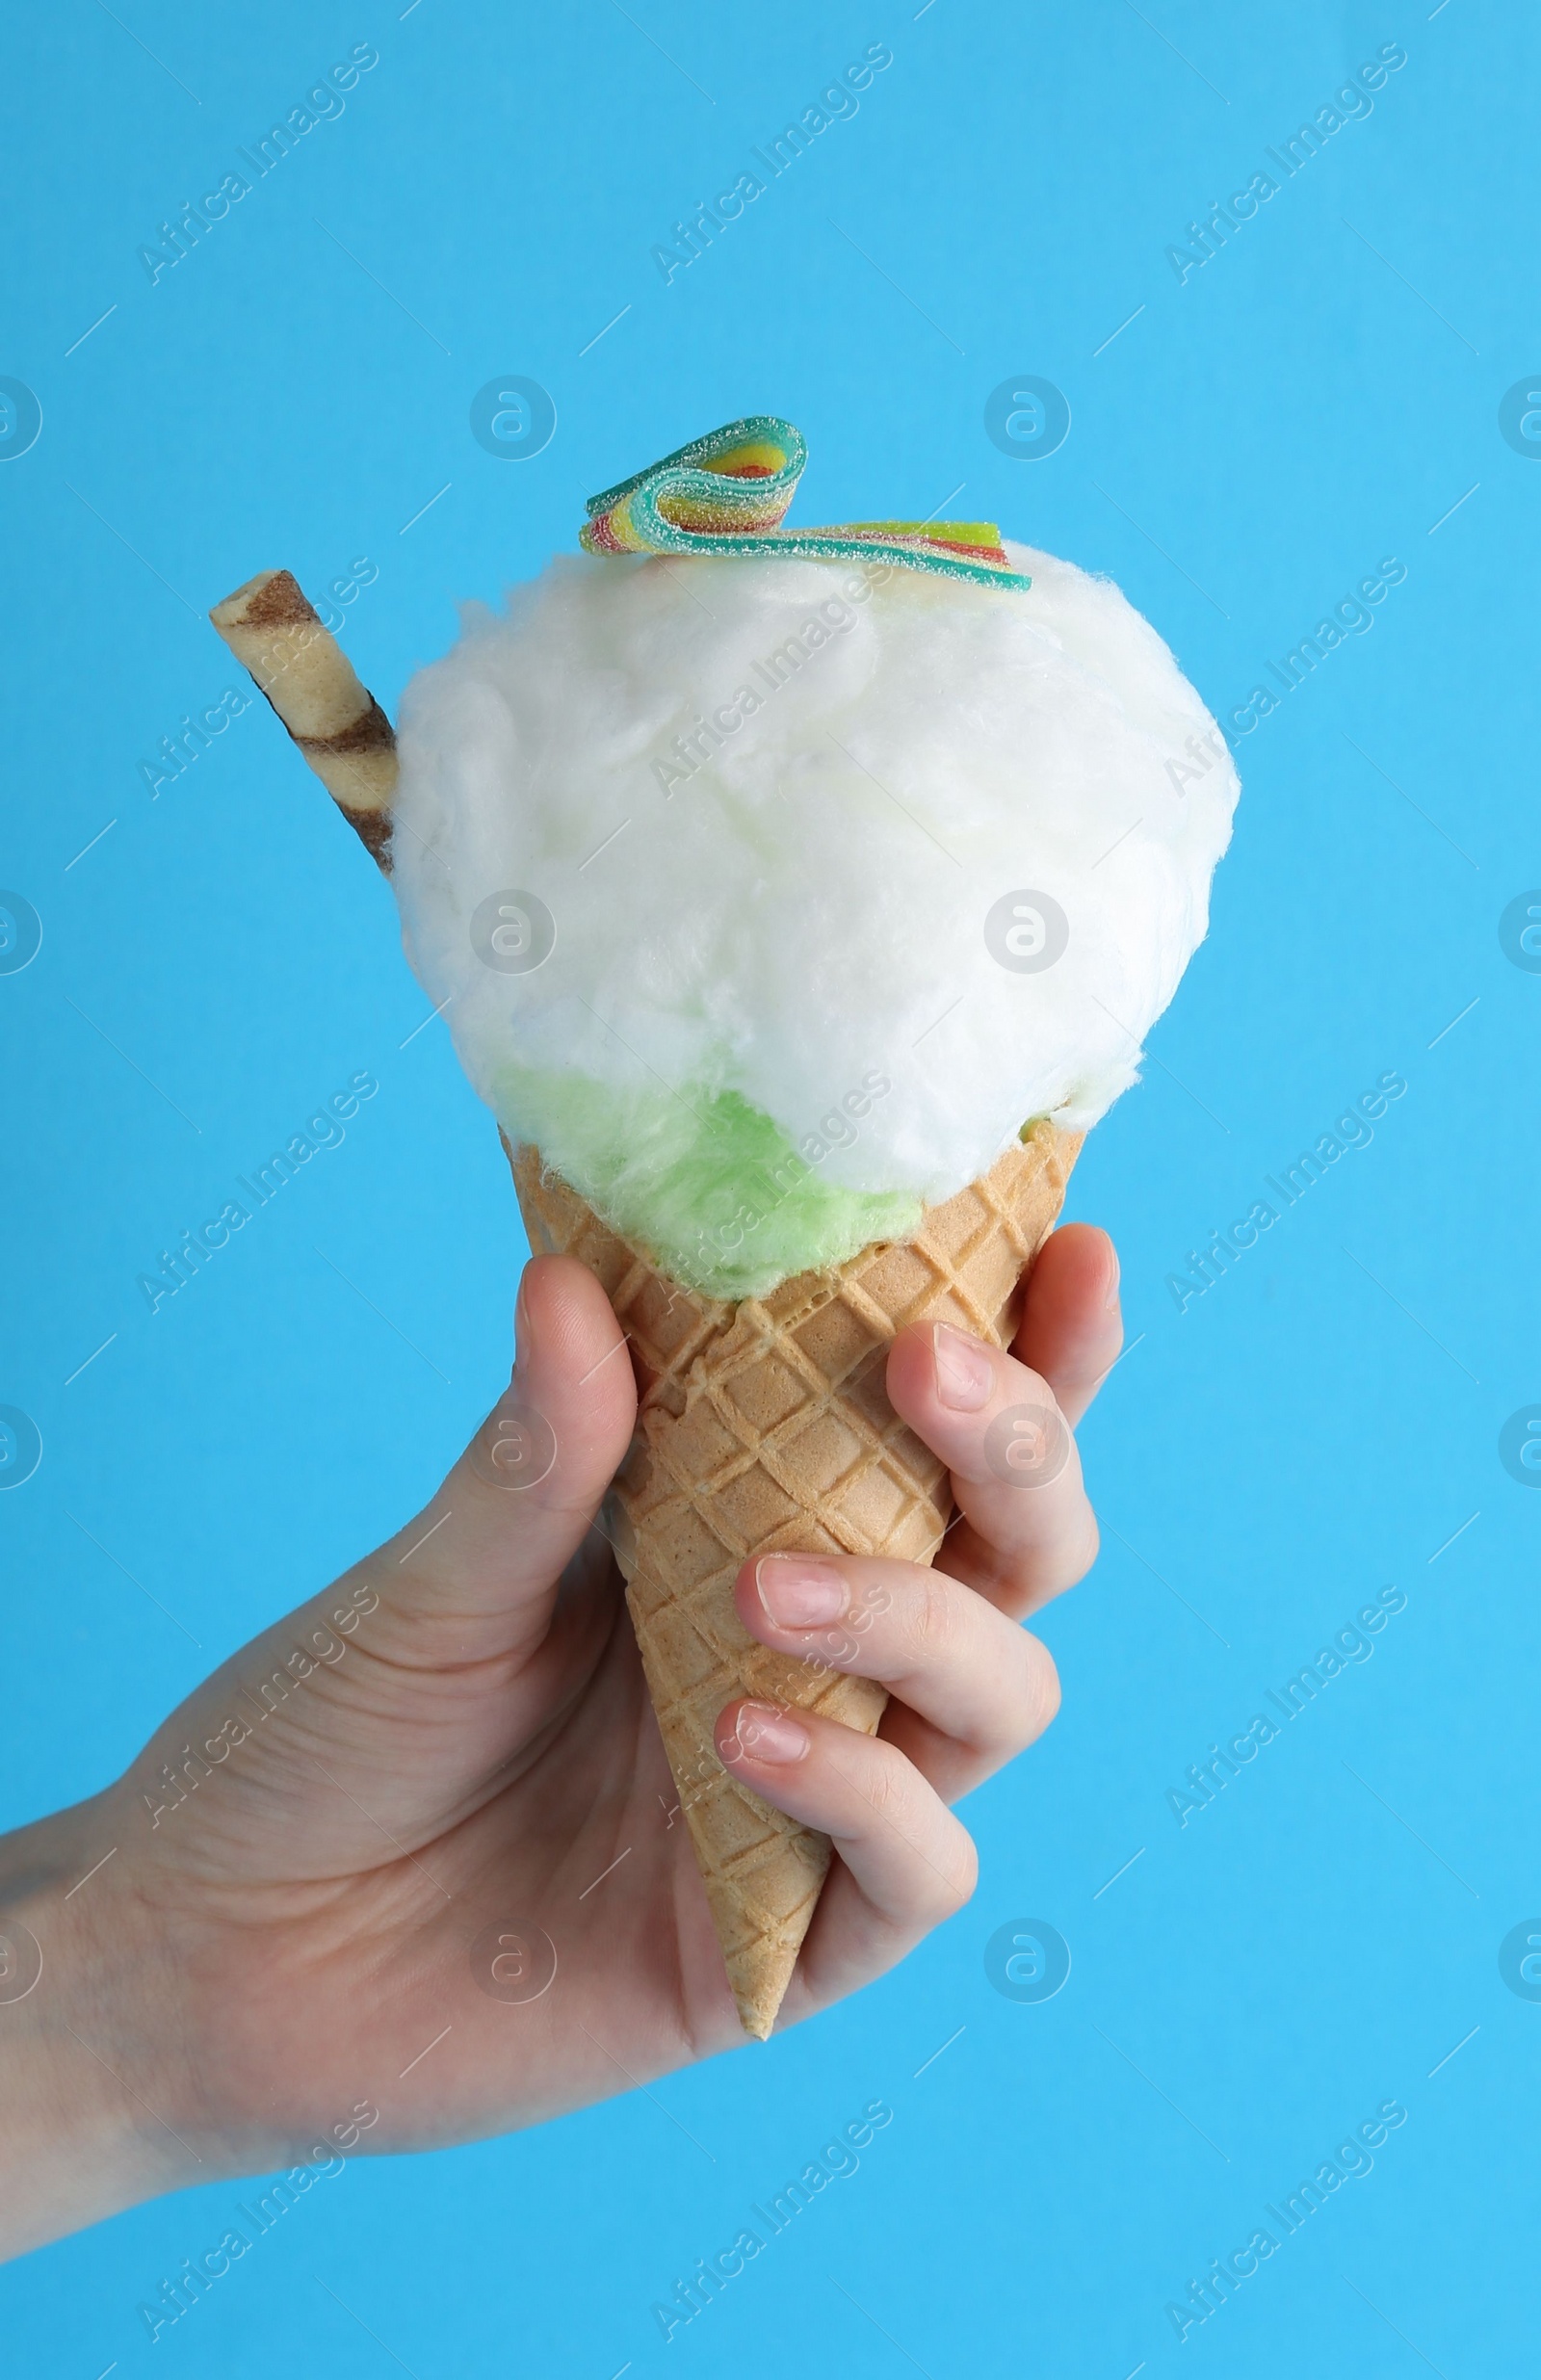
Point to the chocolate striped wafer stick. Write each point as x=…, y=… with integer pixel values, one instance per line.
x=338, y=726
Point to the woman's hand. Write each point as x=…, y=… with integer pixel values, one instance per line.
x=321, y=1909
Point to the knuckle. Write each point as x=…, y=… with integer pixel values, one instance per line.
x=934, y=1621
x=888, y=1787
x=1087, y=1547
x=1042, y=1698
x=946, y=1869
x=955, y=1879
x=1027, y=1706
x=1027, y=1383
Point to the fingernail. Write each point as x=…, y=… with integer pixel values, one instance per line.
x=1111, y=1295
x=767, y=1733
x=965, y=1376
x=798, y=1592
x=523, y=1335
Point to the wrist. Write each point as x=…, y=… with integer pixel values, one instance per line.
x=85, y=2118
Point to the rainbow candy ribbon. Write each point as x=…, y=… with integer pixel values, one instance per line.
x=730, y=492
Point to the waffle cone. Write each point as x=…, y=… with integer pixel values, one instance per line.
x=764, y=1426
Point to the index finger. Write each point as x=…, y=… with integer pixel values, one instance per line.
x=1072, y=1327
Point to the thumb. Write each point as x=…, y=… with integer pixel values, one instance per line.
x=484, y=1557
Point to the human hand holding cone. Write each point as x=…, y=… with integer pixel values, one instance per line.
x=674, y=982
x=763, y=1426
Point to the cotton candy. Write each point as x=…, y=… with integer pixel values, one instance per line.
x=770, y=897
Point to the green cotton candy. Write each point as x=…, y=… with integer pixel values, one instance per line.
x=707, y=1184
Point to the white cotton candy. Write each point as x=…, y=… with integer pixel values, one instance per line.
x=818, y=897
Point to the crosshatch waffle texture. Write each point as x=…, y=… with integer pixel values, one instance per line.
x=766, y=1427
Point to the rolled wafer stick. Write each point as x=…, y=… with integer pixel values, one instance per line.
x=274, y=633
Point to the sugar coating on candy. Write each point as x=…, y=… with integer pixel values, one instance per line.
x=770, y=897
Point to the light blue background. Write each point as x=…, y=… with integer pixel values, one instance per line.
x=1246, y=449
